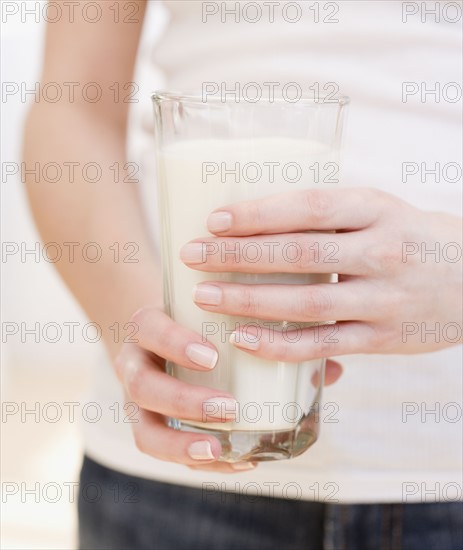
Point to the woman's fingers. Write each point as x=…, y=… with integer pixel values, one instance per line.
x=151, y=389
x=153, y=437
x=302, y=344
x=147, y=385
x=140, y=369
x=283, y=253
x=301, y=303
x=311, y=209
x=159, y=334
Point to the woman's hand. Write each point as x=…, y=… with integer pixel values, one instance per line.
x=140, y=368
x=393, y=296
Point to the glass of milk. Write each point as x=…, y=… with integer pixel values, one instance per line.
x=210, y=152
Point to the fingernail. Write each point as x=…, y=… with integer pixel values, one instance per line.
x=219, y=222
x=207, y=294
x=193, y=253
x=202, y=355
x=219, y=407
x=241, y=341
x=244, y=466
x=201, y=450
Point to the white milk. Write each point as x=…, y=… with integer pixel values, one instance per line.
x=271, y=395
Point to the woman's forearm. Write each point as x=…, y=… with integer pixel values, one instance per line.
x=105, y=212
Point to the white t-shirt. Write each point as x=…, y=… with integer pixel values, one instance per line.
x=379, y=439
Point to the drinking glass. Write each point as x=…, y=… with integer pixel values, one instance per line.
x=214, y=151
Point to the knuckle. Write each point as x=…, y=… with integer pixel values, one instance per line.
x=119, y=364
x=139, y=440
x=379, y=339
x=164, y=337
x=382, y=197
x=248, y=303
x=386, y=202
x=134, y=379
x=317, y=203
x=180, y=402
x=314, y=303
x=140, y=315
x=322, y=340
x=390, y=304
x=385, y=257
x=281, y=350
x=231, y=253
x=372, y=195
x=328, y=345
x=254, y=213
x=375, y=341
x=305, y=256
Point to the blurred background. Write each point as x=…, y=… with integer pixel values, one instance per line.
x=41, y=450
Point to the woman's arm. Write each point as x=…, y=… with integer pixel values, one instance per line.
x=76, y=130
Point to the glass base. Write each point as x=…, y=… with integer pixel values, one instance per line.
x=260, y=446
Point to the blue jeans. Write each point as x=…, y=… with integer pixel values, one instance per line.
x=122, y=512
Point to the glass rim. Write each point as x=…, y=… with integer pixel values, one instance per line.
x=159, y=96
